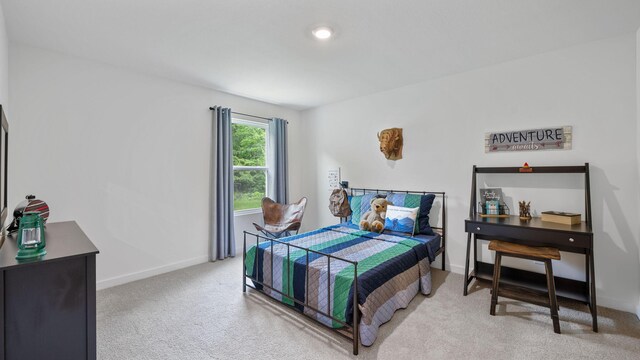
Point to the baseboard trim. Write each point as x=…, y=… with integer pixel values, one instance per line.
x=615, y=303
x=123, y=279
x=437, y=264
x=605, y=301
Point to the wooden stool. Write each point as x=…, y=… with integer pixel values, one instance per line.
x=545, y=254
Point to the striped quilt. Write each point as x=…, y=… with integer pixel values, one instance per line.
x=391, y=271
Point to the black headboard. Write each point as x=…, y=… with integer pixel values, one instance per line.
x=442, y=213
x=442, y=216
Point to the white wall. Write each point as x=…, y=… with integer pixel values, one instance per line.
x=126, y=155
x=591, y=87
x=4, y=64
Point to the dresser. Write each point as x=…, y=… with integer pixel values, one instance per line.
x=49, y=303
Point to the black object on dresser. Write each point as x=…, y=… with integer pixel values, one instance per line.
x=48, y=304
x=576, y=238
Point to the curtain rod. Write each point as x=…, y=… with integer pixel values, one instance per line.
x=239, y=113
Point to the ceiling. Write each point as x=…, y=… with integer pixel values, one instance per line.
x=264, y=49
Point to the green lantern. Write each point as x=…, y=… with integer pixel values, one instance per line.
x=31, y=236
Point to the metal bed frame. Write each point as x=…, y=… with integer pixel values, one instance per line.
x=352, y=332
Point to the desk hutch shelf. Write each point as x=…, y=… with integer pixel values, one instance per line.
x=576, y=238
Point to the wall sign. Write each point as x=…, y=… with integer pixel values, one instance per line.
x=553, y=138
x=334, y=178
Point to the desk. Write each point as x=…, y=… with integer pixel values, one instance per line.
x=570, y=238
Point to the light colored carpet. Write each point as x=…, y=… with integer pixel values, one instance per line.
x=201, y=313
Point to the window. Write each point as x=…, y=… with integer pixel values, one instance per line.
x=250, y=164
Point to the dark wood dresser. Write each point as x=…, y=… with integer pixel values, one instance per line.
x=49, y=304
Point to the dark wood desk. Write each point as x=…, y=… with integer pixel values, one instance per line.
x=48, y=304
x=571, y=238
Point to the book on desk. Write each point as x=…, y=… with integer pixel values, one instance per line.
x=561, y=217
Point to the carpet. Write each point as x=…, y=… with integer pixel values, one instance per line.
x=201, y=313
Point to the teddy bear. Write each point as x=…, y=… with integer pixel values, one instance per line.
x=373, y=220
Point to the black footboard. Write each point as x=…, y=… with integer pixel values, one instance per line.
x=352, y=332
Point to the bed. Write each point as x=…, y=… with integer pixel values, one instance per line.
x=324, y=272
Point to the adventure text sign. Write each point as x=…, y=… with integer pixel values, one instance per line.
x=555, y=138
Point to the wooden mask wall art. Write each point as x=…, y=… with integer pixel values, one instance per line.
x=391, y=143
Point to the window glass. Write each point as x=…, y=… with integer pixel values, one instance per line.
x=249, y=145
x=249, y=187
x=249, y=164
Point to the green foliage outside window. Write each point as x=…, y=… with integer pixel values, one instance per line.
x=249, y=145
x=249, y=149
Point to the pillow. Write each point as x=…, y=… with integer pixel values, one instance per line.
x=424, y=202
x=401, y=219
x=360, y=204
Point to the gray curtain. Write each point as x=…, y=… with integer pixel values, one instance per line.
x=222, y=242
x=278, y=139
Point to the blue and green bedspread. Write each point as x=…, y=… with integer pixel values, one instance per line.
x=392, y=269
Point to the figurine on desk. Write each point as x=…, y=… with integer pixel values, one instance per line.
x=525, y=210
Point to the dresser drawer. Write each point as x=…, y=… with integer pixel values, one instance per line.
x=541, y=237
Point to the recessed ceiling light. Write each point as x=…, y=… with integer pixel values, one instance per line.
x=322, y=32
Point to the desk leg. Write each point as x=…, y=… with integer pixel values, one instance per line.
x=587, y=272
x=475, y=253
x=466, y=265
x=593, y=305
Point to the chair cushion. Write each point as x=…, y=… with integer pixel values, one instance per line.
x=541, y=252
